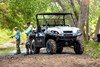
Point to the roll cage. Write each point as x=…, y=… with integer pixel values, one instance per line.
x=52, y=13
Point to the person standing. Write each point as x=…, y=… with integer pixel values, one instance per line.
x=17, y=36
x=28, y=41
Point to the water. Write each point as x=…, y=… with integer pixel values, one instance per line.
x=23, y=51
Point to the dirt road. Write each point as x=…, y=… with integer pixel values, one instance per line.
x=67, y=59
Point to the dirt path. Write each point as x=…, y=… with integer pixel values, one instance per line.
x=67, y=59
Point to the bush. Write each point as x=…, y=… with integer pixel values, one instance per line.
x=92, y=49
x=6, y=33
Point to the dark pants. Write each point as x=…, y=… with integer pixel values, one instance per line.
x=18, y=46
x=29, y=45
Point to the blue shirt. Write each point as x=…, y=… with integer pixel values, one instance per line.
x=29, y=29
x=17, y=35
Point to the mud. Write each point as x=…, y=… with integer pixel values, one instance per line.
x=67, y=59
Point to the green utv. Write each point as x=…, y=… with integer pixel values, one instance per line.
x=56, y=30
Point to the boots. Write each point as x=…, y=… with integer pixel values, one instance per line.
x=27, y=49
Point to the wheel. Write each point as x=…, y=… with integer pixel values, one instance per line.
x=36, y=50
x=51, y=46
x=59, y=49
x=78, y=47
x=32, y=47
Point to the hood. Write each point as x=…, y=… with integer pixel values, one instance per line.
x=63, y=28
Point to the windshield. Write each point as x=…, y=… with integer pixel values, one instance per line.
x=55, y=20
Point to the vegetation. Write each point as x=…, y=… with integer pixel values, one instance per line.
x=92, y=50
x=18, y=12
x=6, y=33
x=6, y=50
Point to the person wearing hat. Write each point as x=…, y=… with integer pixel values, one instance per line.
x=28, y=42
x=17, y=36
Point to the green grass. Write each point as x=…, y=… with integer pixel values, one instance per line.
x=6, y=50
x=92, y=49
x=6, y=33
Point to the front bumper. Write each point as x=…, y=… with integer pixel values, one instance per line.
x=67, y=38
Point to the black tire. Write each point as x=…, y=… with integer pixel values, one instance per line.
x=32, y=47
x=36, y=50
x=59, y=50
x=33, y=44
x=51, y=46
x=78, y=47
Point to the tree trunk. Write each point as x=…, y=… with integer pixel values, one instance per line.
x=97, y=29
x=87, y=21
x=62, y=6
x=79, y=2
x=83, y=16
x=73, y=7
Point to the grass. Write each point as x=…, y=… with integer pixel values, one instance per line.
x=6, y=33
x=6, y=50
x=92, y=49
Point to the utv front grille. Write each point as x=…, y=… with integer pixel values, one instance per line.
x=67, y=31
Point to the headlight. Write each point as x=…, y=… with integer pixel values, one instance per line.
x=55, y=32
x=78, y=32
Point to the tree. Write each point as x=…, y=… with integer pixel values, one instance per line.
x=83, y=16
x=3, y=12
x=74, y=9
x=21, y=11
x=94, y=14
x=97, y=29
x=61, y=5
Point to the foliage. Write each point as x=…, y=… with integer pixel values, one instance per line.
x=94, y=13
x=18, y=12
x=6, y=33
x=6, y=50
x=92, y=49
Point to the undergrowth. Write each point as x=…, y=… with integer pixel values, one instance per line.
x=6, y=50
x=92, y=49
x=6, y=33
